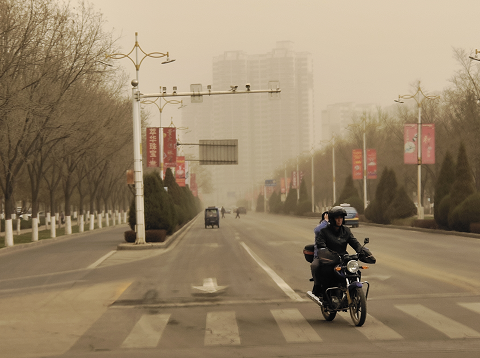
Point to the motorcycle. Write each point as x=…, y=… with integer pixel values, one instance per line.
x=348, y=293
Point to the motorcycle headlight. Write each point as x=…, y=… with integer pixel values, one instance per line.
x=352, y=266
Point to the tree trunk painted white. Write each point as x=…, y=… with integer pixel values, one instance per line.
x=119, y=218
x=18, y=226
x=99, y=218
x=92, y=222
x=34, y=229
x=8, y=232
x=124, y=217
x=107, y=221
x=53, y=227
x=80, y=223
x=68, y=225
x=74, y=215
x=47, y=220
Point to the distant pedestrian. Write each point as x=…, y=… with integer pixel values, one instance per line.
x=223, y=212
x=238, y=213
x=62, y=218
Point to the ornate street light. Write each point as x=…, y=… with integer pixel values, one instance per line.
x=419, y=97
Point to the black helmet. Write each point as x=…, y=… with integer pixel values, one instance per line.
x=335, y=212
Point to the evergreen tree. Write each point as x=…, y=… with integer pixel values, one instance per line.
x=275, y=203
x=442, y=188
x=384, y=195
x=402, y=206
x=260, y=204
x=290, y=205
x=159, y=211
x=348, y=191
x=462, y=187
x=303, y=192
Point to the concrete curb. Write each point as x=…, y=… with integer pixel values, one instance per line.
x=432, y=231
x=156, y=245
x=51, y=240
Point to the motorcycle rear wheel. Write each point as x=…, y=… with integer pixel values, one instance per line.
x=328, y=315
x=358, y=308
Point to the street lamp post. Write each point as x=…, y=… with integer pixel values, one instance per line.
x=137, y=134
x=419, y=97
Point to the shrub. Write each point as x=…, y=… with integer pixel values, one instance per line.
x=260, y=204
x=130, y=236
x=475, y=228
x=425, y=224
x=466, y=213
x=304, y=207
x=402, y=206
x=159, y=208
x=357, y=203
x=150, y=236
x=441, y=216
x=442, y=187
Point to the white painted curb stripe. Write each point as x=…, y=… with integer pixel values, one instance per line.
x=101, y=259
x=221, y=329
x=294, y=326
x=472, y=306
x=447, y=326
x=277, y=279
x=147, y=331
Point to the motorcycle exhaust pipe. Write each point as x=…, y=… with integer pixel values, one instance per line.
x=314, y=298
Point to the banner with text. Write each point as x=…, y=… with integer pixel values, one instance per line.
x=428, y=143
x=371, y=164
x=294, y=180
x=180, y=171
x=410, y=136
x=153, y=150
x=357, y=172
x=169, y=147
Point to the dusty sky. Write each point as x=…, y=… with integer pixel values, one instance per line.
x=364, y=51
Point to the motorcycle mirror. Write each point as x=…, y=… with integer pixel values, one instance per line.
x=366, y=241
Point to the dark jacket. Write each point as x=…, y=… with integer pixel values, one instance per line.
x=336, y=241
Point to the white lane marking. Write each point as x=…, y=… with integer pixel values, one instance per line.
x=277, y=279
x=147, y=331
x=472, y=306
x=210, y=286
x=447, y=326
x=294, y=326
x=221, y=329
x=101, y=259
x=374, y=330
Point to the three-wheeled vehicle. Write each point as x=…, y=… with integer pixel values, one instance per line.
x=212, y=217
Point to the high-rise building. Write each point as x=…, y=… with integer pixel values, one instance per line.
x=270, y=128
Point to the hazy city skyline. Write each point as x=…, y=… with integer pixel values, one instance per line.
x=363, y=51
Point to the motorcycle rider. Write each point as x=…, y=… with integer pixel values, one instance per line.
x=334, y=237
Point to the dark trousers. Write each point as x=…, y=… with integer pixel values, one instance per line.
x=322, y=276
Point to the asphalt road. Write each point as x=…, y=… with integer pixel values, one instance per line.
x=236, y=291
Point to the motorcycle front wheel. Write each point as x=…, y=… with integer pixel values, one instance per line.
x=358, y=308
x=328, y=315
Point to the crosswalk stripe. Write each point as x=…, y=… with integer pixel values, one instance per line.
x=375, y=330
x=221, y=329
x=472, y=306
x=147, y=331
x=294, y=326
x=447, y=326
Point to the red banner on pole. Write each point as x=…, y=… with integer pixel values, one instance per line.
x=193, y=184
x=294, y=179
x=153, y=150
x=371, y=164
x=357, y=171
x=282, y=185
x=410, y=143
x=169, y=147
x=428, y=143
x=180, y=171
